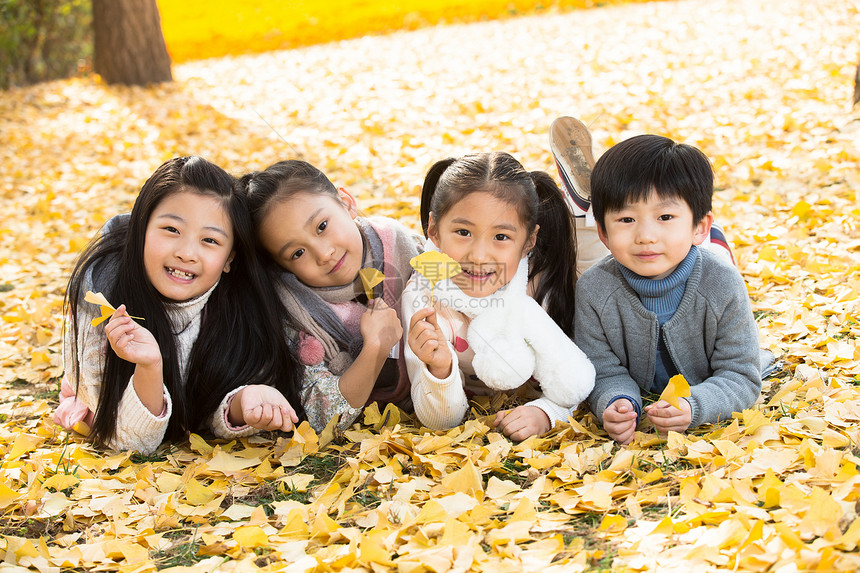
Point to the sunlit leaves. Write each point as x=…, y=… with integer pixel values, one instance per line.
x=761, y=87
x=435, y=266
x=267, y=25
x=676, y=388
x=370, y=277
x=106, y=308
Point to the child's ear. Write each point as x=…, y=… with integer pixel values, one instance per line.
x=433, y=229
x=601, y=232
x=348, y=201
x=703, y=229
x=229, y=260
x=531, y=241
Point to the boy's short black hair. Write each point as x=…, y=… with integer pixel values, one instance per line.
x=630, y=170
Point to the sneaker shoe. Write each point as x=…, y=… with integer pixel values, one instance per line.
x=570, y=142
x=717, y=243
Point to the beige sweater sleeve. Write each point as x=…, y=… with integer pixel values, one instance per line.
x=221, y=427
x=440, y=404
x=136, y=427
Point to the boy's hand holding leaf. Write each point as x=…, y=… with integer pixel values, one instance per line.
x=676, y=388
x=671, y=413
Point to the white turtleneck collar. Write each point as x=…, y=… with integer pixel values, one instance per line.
x=182, y=313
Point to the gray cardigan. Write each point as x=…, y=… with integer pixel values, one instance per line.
x=712, y=338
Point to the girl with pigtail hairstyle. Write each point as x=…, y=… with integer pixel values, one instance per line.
x=505, y=316
x=552, y=268
x=196, y=339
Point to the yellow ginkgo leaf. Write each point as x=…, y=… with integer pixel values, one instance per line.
x=107, y=308
x=8, y=495
x=82, y=428
x=675, y=389
x=96, y=298
x=435, y=266
x=251, y=536
x=370, y=277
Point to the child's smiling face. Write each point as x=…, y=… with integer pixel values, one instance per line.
x=314, y=236
x=189, y=243
x=486, y=236
x=653, y=236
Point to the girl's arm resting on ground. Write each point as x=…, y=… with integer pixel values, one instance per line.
x=440, y=403
x=358, y=381
x=220, y=422
x=553, y=411
x=322, y=399
x=137, y=427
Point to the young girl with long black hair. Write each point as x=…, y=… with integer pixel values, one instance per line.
x=207, y=350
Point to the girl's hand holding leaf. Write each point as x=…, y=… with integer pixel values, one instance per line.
x=131, y=341
x=428, y=342
x=380, y=326
x=107, y=308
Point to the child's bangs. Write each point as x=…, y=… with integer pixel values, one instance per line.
x=512, y=194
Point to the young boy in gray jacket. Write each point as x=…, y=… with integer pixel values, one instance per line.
x=659, y=305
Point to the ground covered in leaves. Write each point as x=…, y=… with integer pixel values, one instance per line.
x=197, y=30
x=764, y=88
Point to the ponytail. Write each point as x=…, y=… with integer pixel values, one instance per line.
x=429, y=189
x=554, y=254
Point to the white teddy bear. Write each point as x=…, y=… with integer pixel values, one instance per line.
x=514, y=339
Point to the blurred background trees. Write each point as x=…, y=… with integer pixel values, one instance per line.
x=43, y=40
x=48, y=39
x=129, y=45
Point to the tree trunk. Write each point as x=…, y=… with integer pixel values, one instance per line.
x=129, y=46
x=857, y=84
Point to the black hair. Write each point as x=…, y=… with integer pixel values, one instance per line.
x=633, y=169
x=538, y=201
x=281, y=181
x=241, y=339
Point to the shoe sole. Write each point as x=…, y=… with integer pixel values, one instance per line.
x=570, y=142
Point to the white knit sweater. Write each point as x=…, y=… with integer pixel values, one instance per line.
x=136, y=427
x=441, y=404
